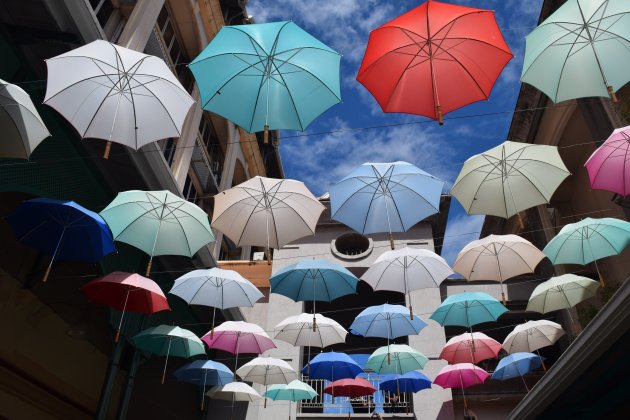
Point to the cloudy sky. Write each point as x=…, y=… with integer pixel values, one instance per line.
x=321, y=159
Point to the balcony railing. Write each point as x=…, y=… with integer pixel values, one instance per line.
x=207, y=170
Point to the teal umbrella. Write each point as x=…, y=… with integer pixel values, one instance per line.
x=293, y=391
x=468, y=309
x=588, y=241
x=167, y=340
x=396, y=358
x=581, y=50
x=267, y=76
x=158, y=223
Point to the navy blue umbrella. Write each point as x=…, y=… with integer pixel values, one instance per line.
x=413, y=381
x=203, y=373
x=62, y=229
x=332, y=366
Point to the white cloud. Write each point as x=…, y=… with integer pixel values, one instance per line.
x=460, y=231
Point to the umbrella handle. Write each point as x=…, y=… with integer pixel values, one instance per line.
x=47, y=273
x=108, y=147
x=613, y=95
x=149, y=267
x=438, y=110
x=391, y=240
x=410, y=309
x=266, y=135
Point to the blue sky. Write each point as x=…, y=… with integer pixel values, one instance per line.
x=321, y=160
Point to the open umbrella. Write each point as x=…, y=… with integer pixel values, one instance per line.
x=294, y=391
x=126, y=292
x=405, y=270
x=158, y=223
x=434, y=59
x=113, y=93
x=580, y=50
x=351, y=388
x=234, y=391
x=533, y=335
x=267, y=371
x=266, y=212
x=515, y=365
x=461, y=375
x=413, y=381
x=470, y=348
x=282, y=76
x=203, y=373
x=468, y=309
x=588, y=241
x=609, y=166
x=497, y=257
x=22, y=127
x=397, y=358
x=561, y=292
x=509, y=178
x=217, y=288
x=167, y=340
x=332, y=366
x=62, y=229
x=385, y=197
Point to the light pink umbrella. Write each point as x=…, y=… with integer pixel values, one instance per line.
x=609, y=166
x=470, y=348
x=461, y=375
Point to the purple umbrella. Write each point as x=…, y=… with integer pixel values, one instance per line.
x=609, y=166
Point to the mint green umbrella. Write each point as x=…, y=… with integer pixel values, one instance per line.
x=396, y=358
x=293, y=391
x=581, y=50
x=158, y=223
x=588, y=241
x=168, y=340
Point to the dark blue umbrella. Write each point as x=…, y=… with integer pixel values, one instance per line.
x=62, y=229
x=332, y=366
x=203, y=373
x=413, y=381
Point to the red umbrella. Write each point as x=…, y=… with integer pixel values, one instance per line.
x=434, y=59
x=357, y=387
x=126, y=292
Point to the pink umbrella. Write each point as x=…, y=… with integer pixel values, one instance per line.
x=609, y=166
x=470, y=348
x=461, y=375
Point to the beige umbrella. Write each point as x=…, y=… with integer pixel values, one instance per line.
x=561, y=292
x=234, y=391
x=498, y=258
x=533, y=335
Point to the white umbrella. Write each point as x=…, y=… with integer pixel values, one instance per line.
x=497, y=257
x=267, y=371
x=113, y=93
x=298, y=331
x=22, y=127
x=234, y=391
x=266, y=212
x=405, y=270
x=533, y=335
x=561, y=292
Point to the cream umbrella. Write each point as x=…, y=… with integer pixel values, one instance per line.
x=498, y=258
x=267, y=371
x=234, y=391
x=561, y=292
x=533, y=335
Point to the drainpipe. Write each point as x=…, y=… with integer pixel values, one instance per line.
x=108, y=384
x=128, y=388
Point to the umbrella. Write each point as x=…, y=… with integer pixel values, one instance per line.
x=497, y=257
x=609, y=166
x=470, y=348
x=282, y=76
x=113, y=93
x=217, y=288
x=434, y=59
x=532, y=336
x=313, y=280
x=509, y=178
x=294, y=391
x=351, y=388
x=204, y=372
x=234, y=391
x=22, y=127
x=561, y=292
x=588, y=241
x=266, y=371
x=385, y=197
x=580, y=50
x=403, y=359
x=515, y=365
x=167, y=340
x=468, y=309
x=62, y=229
x=158, y=223
x=126, y=292
x=266, y=212
x=413, y=381
x=407, y=269
x=461, y=375
x=332, y=366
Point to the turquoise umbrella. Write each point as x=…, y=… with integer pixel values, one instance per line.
x=293, y=391
x=581, y=50
x=468, y=309
x=588, y=241
x=267, y=76
x=158, y=223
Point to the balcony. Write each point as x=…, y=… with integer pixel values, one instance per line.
x=208, y=171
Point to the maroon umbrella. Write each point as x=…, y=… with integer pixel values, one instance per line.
x=128, y=293
x=353, y=388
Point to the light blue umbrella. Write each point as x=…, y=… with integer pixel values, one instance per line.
x=588, y=241
x=385, y=197
x=515, y=365
x=386, y=321
x=468, y=309
x=332, y=366
x=413, y=381
x=267, y=76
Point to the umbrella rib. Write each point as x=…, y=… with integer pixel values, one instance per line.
x=312, y=74
x=367, y=213
x=297, y=114
x=480, y=183
x=389, y=180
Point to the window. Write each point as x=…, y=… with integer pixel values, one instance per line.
x=190, y=192
x=103, y=10
x=168, y=149
x=351, y=246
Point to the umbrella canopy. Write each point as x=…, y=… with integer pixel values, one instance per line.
x=386, y=321
x=396, y=358
x=204, y=372
x=266, y=212
x=353, y=388
x=609, y=166
x=509, y=178
x=332, y=366
x=497, y=257
x=516, y=365
x=532, y=336
x=293, y=391
x=468, y=309
x=267, y=371
x=158, y=223
x=561, y=292
x=413, y=381
x=385, y=197
x=62, y=229
x=470, y=348
x=282, y=76
x=234, y=391
x=580, y=50
x=434, y=59
x=460, y=375
x=238, y=337
x=22, y=127
x=113, y=93
x=298, y=331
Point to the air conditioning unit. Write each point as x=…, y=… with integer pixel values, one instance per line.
x=259, y=256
